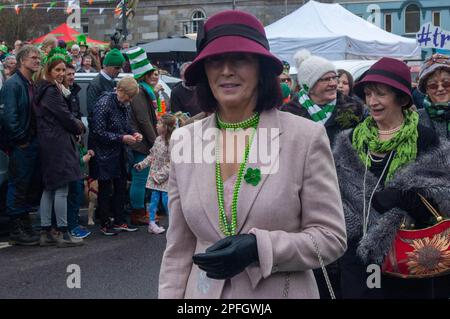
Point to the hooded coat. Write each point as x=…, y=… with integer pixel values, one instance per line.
x=56, y=128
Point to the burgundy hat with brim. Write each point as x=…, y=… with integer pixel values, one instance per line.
x=388, y=71
x=230, y=31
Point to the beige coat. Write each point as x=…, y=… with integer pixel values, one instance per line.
x=299, y=199
x=159, y=162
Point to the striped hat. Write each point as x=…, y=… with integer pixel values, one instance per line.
x=139, y=62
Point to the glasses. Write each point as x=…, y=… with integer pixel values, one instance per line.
x=285, y=80
x=117, y=68
x=435, y=86
x=328, y=79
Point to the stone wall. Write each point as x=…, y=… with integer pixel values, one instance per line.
x=160, y=19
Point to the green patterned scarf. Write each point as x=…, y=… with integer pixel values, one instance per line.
x=317, y=113
x=404, y=142
x=156, y=102
x=437, y=111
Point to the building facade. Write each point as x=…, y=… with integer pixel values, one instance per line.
x=161, y=19
x=403, y=18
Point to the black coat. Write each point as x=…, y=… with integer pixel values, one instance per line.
x=347, y=114
x=110, y=122
x=74, y=101
x=56, y=128
x=184, y=100
x=96, y=88
x=16, y=111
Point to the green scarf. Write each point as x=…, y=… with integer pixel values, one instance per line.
x=156, y=101
x=404, y=142
x=317, y=113
x=437, y=111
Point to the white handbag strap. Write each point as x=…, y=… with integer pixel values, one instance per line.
x=322, y=265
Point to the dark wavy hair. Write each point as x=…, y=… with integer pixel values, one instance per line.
x=269, y=90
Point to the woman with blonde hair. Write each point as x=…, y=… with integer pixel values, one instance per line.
x=111, y=132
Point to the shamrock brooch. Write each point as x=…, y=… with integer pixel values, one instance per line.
x=253, y=176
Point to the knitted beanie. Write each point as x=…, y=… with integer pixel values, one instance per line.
x=311, y=68
x=114, y=58
x=139, y=62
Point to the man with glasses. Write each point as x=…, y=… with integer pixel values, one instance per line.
x=19, y=127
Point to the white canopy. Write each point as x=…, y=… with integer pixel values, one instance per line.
x=331, y=31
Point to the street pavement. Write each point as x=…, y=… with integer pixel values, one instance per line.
x=123, y=266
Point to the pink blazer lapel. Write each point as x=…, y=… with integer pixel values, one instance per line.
x=205, y=176
x=268, y=133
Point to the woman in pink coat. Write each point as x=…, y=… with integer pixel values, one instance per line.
x=253, y=193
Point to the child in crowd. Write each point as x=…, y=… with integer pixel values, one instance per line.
x=75, y=196
x=159, y=162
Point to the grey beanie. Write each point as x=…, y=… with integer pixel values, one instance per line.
x=311, y=68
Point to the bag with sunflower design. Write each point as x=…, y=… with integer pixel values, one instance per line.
x=420, y=253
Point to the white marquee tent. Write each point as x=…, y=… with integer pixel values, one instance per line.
x=333, y=32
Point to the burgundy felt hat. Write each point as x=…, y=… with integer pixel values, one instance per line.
x=387, y=71
x=230, y=31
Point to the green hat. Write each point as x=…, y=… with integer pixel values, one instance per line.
x=139, y=62
x=57, y=53
x=81, y=40
x=285, y=90
x=114, y=58
x=3, y=48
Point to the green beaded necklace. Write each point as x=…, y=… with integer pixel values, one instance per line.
x=229, y=229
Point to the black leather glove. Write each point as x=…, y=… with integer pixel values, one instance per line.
x=228, y=257
x=409, y=201
x=386, y=199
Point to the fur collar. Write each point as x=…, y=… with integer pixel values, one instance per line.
x=428, y=175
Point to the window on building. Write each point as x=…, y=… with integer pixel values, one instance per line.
x=437, y=19
x=85, y=26
x=388, y=22
x=197, y=16
x=412, y=18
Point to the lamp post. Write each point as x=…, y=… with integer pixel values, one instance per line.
x=124, y=20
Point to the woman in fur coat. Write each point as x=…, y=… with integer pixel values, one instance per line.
x=382, y=165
